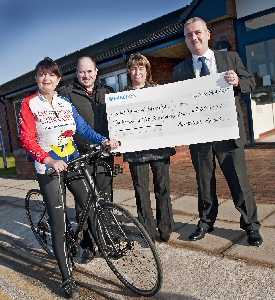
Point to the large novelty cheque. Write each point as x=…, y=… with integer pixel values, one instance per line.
x=187, y=112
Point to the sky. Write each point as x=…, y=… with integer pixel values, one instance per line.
x=33, y=29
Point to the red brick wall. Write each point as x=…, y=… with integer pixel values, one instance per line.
x=223, y=30
x=182, y=156
x=24, y=168
x=162, y=68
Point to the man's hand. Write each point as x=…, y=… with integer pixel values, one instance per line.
x=231, y=78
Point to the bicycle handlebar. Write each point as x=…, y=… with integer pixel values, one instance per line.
x=92, y=150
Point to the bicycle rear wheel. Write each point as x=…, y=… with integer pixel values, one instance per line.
x=39, y=220
x=128, y=249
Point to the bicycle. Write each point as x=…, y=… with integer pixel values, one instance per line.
x=120, y=238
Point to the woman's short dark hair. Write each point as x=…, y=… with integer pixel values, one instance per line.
x=48, y=65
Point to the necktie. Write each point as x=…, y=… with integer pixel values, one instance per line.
x=204, y=69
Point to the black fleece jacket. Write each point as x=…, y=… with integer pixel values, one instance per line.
x=90, y=106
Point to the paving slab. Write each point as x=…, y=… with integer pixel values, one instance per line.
x=182, y=219
x=128, y=198
x=12, y=195
x=228, y=212
x=227, y=239
x=14, y=222
x=263, y=254
x=17, y=192
x=3, y=180
x=8, y=192
x=131, y=201
x=186, y=204
x=223, y=236
x=269, y=221
x=29, y=184
x=12, y=182
x=70, y=200
x=122, y=195
x=131, y=209
x=4, y=188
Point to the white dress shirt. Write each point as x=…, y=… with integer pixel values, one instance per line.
x=210, y=62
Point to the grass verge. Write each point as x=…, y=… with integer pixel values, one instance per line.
x=11, y=169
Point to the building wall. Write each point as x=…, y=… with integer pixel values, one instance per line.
x=23, y=168
x=162, y=71
x=223, y=30
x=162, y=68
x=12, y=126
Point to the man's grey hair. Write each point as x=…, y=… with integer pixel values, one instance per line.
x=195, y=19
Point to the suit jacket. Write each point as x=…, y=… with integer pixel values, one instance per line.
x=225, y=61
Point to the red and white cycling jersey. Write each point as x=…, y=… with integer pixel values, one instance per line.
x=47, y=130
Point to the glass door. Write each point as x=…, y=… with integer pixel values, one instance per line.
x=261, y=63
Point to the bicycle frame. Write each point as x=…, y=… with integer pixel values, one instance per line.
x=80, y=165
x=122, y=241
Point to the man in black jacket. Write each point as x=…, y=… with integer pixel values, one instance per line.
x=229, y=153
x=88, y=96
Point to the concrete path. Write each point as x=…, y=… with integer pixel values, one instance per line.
x=220, y=266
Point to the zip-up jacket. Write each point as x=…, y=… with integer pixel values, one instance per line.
x=91, y=107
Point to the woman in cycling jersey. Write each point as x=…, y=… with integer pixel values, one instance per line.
x=48, y=123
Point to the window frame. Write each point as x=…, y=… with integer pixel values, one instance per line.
x=118, y=87
x=16, y=112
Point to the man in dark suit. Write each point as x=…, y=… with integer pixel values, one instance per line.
x=229, y=153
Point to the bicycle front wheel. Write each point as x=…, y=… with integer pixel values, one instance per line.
x=39, y=220
x=128, y=249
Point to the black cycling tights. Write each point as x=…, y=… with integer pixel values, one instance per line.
x=53, y=191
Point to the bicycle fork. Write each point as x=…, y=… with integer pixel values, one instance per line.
x=117, y=242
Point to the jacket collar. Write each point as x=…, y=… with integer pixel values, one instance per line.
x=79, y=86
x=190, y=67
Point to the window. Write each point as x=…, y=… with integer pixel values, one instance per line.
x=117, y=80
x=17, y=106
x=256, y=23
x=261, y=63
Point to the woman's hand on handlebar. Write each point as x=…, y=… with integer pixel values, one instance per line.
x=113, y=144
x=58, y=165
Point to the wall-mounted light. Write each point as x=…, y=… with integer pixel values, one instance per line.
x=222, y=46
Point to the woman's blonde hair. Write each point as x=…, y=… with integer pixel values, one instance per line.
x=140, y=60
